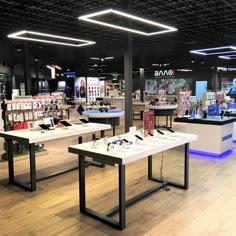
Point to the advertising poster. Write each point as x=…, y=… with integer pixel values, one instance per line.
x=80, y=88
x=93, y=90
x=148, y=123
x=171, y=86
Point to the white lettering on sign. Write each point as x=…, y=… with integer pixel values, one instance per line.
x=164, y=73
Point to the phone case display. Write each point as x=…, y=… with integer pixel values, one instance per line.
x=183, y=103
x=148, y=123
x=93, y=88
x=60, y=97
x=208, y=98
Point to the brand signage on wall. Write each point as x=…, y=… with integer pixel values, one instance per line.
x=164, y=73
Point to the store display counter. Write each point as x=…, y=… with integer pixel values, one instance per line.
x=163, y=110
x=124, y=154
x=214, y=134
x=111, y=117
x=138, y=107
x=30, y=138
x=119, y=102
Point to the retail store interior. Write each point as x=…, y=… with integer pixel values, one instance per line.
x=118, y=118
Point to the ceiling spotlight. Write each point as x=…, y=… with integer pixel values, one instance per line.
x=192, y=60
x=202, y=61
x=36, y=59
x=102, y=59
x=109, y=58
x=95, y=58
x=18, y=49
x=91, y=18
x=50, y=38
x=68, y=69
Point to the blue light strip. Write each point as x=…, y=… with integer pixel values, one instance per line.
x=211, y=154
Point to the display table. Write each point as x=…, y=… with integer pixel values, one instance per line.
x=232, y=113
x=112, y=117
x=30, y=138
x=214, y=135
x=165, y=110
x=119, y=102
x=138, y=107
x=121, y=156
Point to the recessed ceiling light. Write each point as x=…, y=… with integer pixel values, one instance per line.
x=88, y=18
x=49, y=38
x=95, y=58
x=214, y=51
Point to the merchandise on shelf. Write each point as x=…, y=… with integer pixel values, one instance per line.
x=183, y=103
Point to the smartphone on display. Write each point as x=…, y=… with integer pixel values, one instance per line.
x=137, y=136
x=171, y=130
x=44, y=127
x=84, y=121
x=159, y=132
x=65, y=123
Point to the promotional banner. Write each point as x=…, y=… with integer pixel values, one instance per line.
x=80, y=88
x=148, y=123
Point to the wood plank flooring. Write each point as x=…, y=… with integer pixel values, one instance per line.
x=207, y=208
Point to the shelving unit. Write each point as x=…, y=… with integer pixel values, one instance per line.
x=112, y=86
x=183, y=101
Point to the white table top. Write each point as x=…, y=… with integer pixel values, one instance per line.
x=140, y=149
x=39, y=137
x=166, y=107
x=103, y=114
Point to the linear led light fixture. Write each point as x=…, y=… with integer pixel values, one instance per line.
x=228, y=57
x=101, y=58
x=50, y=38
x=210, y=51
x=88, y=18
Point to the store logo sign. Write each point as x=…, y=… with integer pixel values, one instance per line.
x=159, y=73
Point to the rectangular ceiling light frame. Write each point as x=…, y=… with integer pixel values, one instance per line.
x=20, y=35
x=208, y=51
x=88, y=17
x=228, y=57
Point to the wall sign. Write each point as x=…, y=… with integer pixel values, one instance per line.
x=161, y=73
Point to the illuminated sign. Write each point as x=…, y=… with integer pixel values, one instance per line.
x=226, y=68
x=160, y=73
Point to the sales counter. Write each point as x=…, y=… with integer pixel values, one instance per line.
x=214, y=134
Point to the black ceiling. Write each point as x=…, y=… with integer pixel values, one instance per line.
x=200, y=24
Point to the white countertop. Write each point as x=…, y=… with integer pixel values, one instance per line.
x=39, y=137
x=140, y=149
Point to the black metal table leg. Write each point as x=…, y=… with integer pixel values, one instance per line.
x=82, y=183
x=171, y=121
x=186, y=166
x=9, y=154
x=149, y=167
x=113, y=130
x=32, y=166
x=122, y=204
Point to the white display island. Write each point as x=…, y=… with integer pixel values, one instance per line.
x=214, y=134
x=123, y=154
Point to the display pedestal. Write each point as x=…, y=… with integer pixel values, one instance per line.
x=214, y=135
x=212, y=139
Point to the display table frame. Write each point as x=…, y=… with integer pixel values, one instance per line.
x=30, y=138
x=120, y=159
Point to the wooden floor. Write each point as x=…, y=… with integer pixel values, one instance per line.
x=207, y=208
